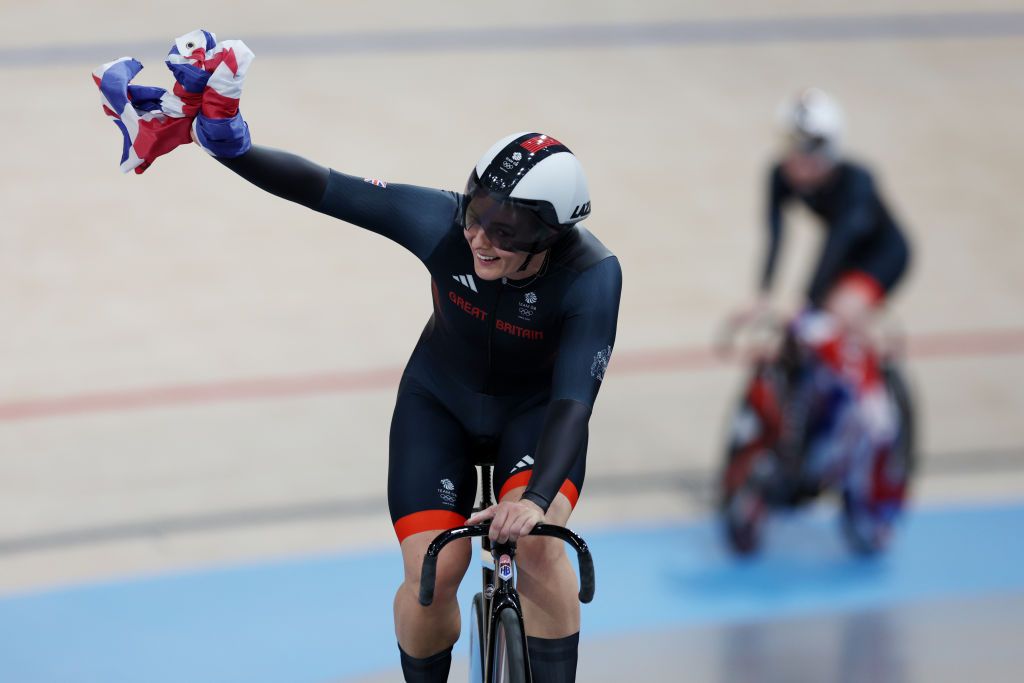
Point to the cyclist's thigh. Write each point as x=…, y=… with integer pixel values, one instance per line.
x=431, y=480
x=515, y=461
x=854, y=299
x=452, y=563
x=872, y=273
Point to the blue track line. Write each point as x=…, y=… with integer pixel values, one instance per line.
x=318, y=619
x=491, y=39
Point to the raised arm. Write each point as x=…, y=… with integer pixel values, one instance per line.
x=415, y=217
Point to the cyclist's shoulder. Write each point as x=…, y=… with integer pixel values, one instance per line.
x=856, y=174
x=447, y=204
x=580, y=251
x=592, y=272
x=431, y=216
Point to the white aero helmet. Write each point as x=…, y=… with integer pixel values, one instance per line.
x=813, y=123
x=526, y=191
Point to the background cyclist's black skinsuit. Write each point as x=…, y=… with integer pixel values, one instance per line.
x=516, y=362
x=862, y=235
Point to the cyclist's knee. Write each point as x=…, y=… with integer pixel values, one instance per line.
x=852, y=304
x=451, y=564
x=559, y=511
x=538, y=555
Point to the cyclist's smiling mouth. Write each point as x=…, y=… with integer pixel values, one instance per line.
x=490, y=262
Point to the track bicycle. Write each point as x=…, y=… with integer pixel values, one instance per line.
x=782, y=409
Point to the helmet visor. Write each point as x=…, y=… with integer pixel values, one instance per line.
x=510, y=224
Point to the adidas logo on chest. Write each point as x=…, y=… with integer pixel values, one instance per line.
x=466, y=281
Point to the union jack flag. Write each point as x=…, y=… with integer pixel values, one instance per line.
x=209, y=77
x=539, y=142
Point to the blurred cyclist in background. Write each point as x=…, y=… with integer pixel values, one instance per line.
x=863, y=257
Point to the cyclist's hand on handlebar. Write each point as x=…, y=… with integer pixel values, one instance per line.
x=510, y=519
x=751, y=312
x=739, y=319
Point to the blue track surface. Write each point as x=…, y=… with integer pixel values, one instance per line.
x=326, y=618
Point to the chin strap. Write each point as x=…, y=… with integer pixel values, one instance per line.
x=529, y=256
x=526, y=263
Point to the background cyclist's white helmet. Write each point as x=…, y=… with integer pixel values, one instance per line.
x=812, y=122
x=540, y=179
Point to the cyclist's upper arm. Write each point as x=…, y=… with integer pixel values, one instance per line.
x=588, y=333
x=418, y=218
x=858, y=211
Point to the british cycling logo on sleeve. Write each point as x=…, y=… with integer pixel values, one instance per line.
x=600, y=364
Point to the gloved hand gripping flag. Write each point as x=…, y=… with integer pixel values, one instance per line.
x=153, y=121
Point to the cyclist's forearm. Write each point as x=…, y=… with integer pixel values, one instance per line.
x=774, y=239
x=286, y=175
x=770, y=259
x=778, y=191
x=562, y=440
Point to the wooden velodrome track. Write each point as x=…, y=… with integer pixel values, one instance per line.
x=195, y=373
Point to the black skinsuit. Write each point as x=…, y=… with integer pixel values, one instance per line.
x=516, y=363
x=862, y=235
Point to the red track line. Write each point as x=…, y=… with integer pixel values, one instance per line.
x=936, y=345
x=129, y=399
x=663, y=360
x=983, y=343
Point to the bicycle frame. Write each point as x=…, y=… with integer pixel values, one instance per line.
x=497, y=561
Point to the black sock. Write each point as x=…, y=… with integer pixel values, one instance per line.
x=553, y=660
x=432, y=669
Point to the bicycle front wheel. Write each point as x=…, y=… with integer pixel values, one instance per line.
x=509, y=662
x=476, y=640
